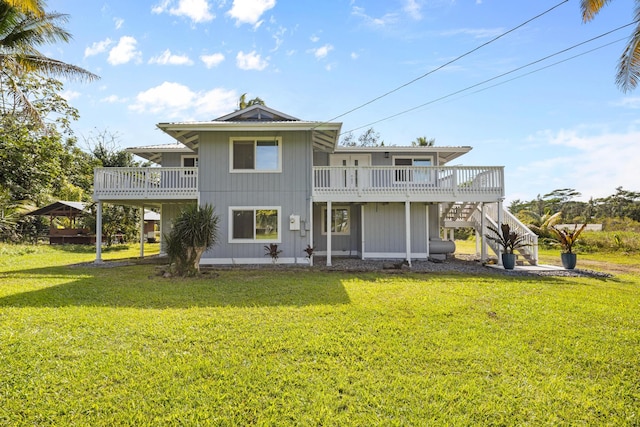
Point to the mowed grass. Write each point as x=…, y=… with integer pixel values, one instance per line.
x=109, y=346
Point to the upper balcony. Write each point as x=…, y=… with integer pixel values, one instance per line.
x=148, y=183
x=413, y=183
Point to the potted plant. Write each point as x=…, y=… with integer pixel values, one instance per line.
x=509, y=241
x=567, y=238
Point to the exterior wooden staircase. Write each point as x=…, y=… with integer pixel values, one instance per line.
x=466, y=214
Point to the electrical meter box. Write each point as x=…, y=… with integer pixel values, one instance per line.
x=294, y=222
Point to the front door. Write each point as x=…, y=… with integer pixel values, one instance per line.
x=348, y=176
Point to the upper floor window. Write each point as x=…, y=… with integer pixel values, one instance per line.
x=189, y=162
x=256, y=155
x=413, y=175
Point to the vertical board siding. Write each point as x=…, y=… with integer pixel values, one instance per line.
x=290, y=190
x=340, y=243
x=384, y=227
x=418, y=228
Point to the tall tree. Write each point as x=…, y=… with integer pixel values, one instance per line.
x=629, y=65
x=24, y=27
x=368, y=138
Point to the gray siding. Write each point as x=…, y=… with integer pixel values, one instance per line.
x=349, y=244
x=384, y=229
x=174, y=160
x=167, y=215
x=290, y=190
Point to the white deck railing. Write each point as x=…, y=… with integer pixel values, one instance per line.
x=435, y=180
x=145, y=183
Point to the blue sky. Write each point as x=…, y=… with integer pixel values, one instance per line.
x=563, y=126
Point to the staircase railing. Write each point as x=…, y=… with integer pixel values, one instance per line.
x=530, y=239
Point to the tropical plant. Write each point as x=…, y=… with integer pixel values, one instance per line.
x=567, y=238
x=629, y=65
x=309, y=250
x=21, y=32
x=508, y=240
x=194, y=231
x=272, y=251
x=423, y=141
x=243, y=103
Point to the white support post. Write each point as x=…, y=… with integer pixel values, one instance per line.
x=427, y=228
x=98, y=234
x=142, y=231
x=160, y=230
x=407, y=229
x=499, y=228
x=483, y=234
x=311, y=228
x=329, y=220
x=363, y=240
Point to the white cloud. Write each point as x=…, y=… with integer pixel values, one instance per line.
x=175, y=100
x=212, y=60
x=629, y=102
x=354, y=55
x=477, y=33
x=124, y=51
x=250, y=61
x=70, y=95
x=413, y=9
x=196, y=10
x=97, y=47
x=385, y=20
x=113, y=99
x=593, y=164
x=314, y=39
x=167, y=58
x=250, y=11
x=322, y=51
x=118, y=22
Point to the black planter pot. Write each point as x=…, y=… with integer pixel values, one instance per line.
x=509, y=261
x=569, y=261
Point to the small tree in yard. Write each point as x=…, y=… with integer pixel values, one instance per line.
x=194, y=231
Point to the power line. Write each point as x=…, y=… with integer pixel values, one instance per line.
x=448, y=63
x=505, y=74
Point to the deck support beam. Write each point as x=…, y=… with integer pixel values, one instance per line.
x=407, y=229
x=98, y=233
x=142, y=231
x=499, y=214
x=329, y=218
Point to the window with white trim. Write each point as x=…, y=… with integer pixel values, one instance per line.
x=256, y=154
x=413, y=175
x=254, y=224
x=189, y=161
x=340, y=220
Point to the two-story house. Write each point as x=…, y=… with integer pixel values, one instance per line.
x=273, y=178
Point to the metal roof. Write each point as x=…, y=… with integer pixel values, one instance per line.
x=153, y=153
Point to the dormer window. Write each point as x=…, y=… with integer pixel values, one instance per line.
x=256, y=155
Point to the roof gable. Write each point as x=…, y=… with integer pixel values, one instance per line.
x=257, y=113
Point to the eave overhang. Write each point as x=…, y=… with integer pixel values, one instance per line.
x=153, y=153
x=444, y=154
x=324, y=136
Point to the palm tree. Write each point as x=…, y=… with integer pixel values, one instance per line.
x=21, y=32
x=243, y=103
x=33, y=6
x=423, y=141
x=629, y=66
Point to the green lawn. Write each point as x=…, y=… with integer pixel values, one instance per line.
x=81, y=345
